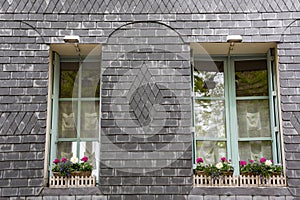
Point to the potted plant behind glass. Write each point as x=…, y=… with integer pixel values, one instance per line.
x=249, y=169
x=73, y=167
x=267, y=168
x=200, y=169
x=224, y=167
x=62, y=167
x=73, y=173
x=85, y=167
x=264, y=168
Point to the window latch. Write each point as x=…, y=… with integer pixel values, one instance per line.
x=271, y=58
x=193, y=129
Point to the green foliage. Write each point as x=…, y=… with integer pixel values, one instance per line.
x=264, y=168
x=252, y=83
x=67, y=83
x=65, y=167
x=86, y=166
x=198, y=85
x=222, y=168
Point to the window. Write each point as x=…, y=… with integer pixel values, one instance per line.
x=76, y=103
x=235, y=107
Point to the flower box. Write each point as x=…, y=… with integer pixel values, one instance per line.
x=239, y=181
x=272, y=181
x=249, y=180
x=260, y=181
x=80, y=173
x=73, y=181
x=220, y=181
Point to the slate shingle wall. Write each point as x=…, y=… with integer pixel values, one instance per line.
x=151, y=6
x=146, y=109
x=27, y=27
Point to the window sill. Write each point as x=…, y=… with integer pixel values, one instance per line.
x=71, y=191
x=232, y=191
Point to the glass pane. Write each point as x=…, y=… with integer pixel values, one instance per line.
x=210, y=119
x=90, y=79
x=68, y=77
x=89, y=119
x=255, y=150
x=66, y=150
x=251, y=78
x=209, y=78
x=91, y=150
x=253, y=118
x=67, y=119
x=211, y=151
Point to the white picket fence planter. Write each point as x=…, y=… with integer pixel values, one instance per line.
x=258, y=181
x=208, y=181
x=238, y=181
x=73, y=181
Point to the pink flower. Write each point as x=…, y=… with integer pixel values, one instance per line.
x=56, y=161
x=251, y=161
x=243, y=163
x=199, y=160
x=223, y=159
x=84, y=159
x=262, y=160
x=64, y=160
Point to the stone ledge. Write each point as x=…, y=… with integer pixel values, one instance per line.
x=71, y=191
x=232, y=191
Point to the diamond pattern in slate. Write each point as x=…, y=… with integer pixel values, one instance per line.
x=145, y=95
x=147, y=6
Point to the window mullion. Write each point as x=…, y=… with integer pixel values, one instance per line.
x=55, y=106
x=272, y=95
x=233, y=128
x=193, y=110
x=79, y=108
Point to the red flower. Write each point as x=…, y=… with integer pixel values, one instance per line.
x=223, y=159
x=56, y=161
x=251, y=161
x=199, y=160
x=262, y=160
x=84, y=159
x=64, y=160
x=243, y=163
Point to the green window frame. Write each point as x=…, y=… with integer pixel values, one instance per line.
x=228, y=136
x=77, y=132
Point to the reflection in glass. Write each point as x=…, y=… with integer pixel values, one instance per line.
x=251, y=78
x=255, y=150
x=90, y=85
x=91, y=150
x=66, y=149
x=253, y=118
x=211, y=151
x=67, y=119
x=209, y=78
x=209, y=119
x=68, y=79
x=89, y=119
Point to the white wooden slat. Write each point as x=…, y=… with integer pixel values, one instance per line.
x=239, y=181
x=73, y=181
